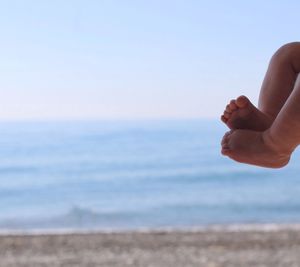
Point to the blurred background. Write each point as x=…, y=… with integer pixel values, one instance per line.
x=110, y=113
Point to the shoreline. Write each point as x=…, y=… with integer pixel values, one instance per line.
x=247, y=227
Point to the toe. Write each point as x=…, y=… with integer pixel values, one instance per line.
x=225, y=138
x=228, y=133
x=233, y=105
x=224, y=142
x=228, y=109
x=242, y=101
x=225, y=151
x=224, y=119
x=226, y=114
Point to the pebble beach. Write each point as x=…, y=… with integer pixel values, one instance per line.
x=208, y=248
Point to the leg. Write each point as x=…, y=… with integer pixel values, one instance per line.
x=276, y=88
x=272, y=147
x=285, y=131
x=280, y=79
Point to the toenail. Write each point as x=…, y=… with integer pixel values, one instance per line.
x=228, y=109
x=233, y=106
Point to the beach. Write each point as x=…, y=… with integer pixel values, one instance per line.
x=140, y=194
x=232, y=247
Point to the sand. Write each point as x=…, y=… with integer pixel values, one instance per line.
x=209, y=248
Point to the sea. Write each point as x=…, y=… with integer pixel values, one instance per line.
x=128, y=175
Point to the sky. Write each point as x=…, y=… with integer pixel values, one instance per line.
x=109, y=59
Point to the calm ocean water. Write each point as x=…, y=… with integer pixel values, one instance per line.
x=127, y=175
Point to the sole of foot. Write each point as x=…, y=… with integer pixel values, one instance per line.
x=240, y=113
x=255, y=148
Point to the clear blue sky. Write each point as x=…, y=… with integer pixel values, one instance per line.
x=136, y=59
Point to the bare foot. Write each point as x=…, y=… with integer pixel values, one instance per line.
x=255, y=148
x=242, y=114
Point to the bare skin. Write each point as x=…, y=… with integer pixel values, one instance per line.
x=262, y=151
x=267, y=136
x=240, y=113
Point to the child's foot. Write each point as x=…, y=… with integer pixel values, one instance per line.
x=242, y=114
x=255, y=148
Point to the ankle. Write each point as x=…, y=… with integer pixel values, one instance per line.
x=267, y=119
x=270, y=118
x=276, y=144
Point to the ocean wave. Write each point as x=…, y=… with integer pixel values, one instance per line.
x=176, y=216
x=77, y=217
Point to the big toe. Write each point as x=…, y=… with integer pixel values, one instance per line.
x=242, y=101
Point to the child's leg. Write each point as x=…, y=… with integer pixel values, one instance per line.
x=277, y=86
x=280, y=79
x=285, y=130
x=273, y=147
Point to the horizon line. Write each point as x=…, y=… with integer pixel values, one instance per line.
x=4, y=120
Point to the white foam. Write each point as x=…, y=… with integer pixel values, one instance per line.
x=210, y=228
